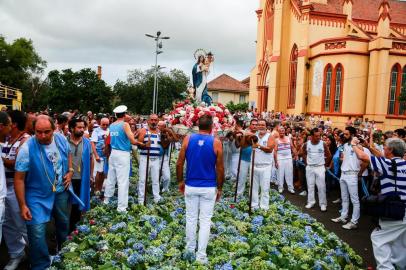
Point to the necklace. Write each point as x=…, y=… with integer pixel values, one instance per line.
x=46, y=172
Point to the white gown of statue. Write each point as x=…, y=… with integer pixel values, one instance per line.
x=202, y=86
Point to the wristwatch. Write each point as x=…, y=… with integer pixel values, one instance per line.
x=259, y=146
x=71, y=170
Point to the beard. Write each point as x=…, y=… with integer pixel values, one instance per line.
x=78, y=134
x=347, y=140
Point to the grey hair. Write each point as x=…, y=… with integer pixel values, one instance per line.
x=397, y=146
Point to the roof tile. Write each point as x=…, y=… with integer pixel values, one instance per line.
x=226, y=82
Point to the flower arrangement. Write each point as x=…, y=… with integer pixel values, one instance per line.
x=153, y=237
x=187, y=113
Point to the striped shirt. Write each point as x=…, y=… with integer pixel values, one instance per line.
x=384, y=167
x=155, y=149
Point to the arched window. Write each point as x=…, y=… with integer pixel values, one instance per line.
x=402, y=105
x=328, y=76
x=338, y=87
x=394, y=90
x=332, y=88
x=292, y=76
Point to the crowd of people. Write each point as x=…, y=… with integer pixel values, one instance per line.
x=52, y=164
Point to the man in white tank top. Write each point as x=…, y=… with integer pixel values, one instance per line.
x=283, y=160
x=349, y=182
x=274, y=172
x=316, y=154
x=262, y=167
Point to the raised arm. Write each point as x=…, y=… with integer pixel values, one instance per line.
x=130, y=134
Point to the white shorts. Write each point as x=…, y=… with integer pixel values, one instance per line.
x=99, y=166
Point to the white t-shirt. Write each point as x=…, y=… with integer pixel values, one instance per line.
x=3, y=185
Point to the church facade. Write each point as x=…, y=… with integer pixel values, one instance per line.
x=335, y=58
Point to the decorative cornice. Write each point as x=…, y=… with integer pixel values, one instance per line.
x=339, y=53
x=338, y=40
x=348, y=1
x=335, y=45
x=399, y=46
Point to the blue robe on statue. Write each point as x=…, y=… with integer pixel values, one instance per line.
x=197, y=81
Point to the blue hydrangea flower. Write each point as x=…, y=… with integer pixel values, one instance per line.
x=189, y=256
x=135, y=259
x=84, y=229
x=226, y=266
x=118, y=226
x=139, y=247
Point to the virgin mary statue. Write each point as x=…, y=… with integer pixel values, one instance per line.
x=199, y=73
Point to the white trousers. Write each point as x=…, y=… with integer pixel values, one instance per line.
x=154, y=166
x=2, y=211
x=316, y=176
x=285, y=171
x=234, y=164
x=119, y=172
x=14, y=228
x=199, y=205
x=166, y=173
x=349, y=191
x=242, y=179
x=261, y=181
x=389, y=244
x=227, y=159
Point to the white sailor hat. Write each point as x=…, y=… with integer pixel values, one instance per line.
x=120, y=109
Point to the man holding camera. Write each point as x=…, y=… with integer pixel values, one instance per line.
x=389, y=239
x=350, y=168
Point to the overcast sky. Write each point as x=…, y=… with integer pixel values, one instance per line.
x=86, y=33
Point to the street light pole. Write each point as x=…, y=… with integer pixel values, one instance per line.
x=157, y=87
x=157, y=51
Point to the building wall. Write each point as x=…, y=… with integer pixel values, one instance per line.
x=366, y=62
x=226, y=97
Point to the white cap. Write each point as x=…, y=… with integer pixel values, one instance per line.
x=120, y=109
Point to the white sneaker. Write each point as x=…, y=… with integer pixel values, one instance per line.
x=323, y=208
x=280, y=191
x=350, y=226
x=303, y=193
x=337, y=201
x=339, y=220
x=14, y=262
x=309, y=205
x=292, y=191
x=106, y=200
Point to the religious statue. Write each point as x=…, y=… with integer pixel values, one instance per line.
x=199, y=74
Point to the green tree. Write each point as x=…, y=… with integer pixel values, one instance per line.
x=236, y=107
x=22, y=67
x=81, y=90
x=137, y=91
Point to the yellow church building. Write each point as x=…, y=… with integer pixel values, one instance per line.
x=336, y=58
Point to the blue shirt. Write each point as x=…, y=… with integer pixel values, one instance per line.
x=201, y=161
x=51, y=152
x=119, y=140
